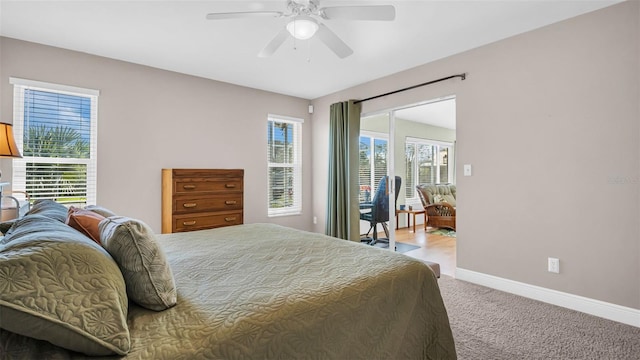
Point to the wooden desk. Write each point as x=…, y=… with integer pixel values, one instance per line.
x=413, y=212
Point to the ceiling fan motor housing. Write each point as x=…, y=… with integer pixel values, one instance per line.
x=302, y=7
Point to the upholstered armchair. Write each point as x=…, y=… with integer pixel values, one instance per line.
x=439, y=202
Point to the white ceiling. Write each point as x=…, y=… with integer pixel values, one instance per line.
x=440, y=113
x=174, y=35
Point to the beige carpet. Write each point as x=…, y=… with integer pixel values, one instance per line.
x=490, y=324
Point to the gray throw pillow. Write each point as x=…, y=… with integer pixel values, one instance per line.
x=100, y=210
x=59, y=286
x=143, y=264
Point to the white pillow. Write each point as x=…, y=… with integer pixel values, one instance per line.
x=449, y=199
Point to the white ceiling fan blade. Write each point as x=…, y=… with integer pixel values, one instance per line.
x=332, y=41
x=275, y=43
x=372, y=12
x=245, y=14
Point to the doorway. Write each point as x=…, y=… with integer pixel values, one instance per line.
x=417, y=144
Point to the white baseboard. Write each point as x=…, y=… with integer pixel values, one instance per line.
x=622, y=314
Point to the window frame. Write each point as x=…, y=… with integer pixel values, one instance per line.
x=19, y=180
x=296, y=165
x=415, y=170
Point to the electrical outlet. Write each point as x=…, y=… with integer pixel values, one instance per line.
x=315, y=219
x=554, y=265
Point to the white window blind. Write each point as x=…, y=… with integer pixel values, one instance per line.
x=55, y=127
x=284, y=157
x=373, y=163
x=427, y=162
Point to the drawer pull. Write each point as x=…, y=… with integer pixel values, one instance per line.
x=230, y=218
x=188, y=187
x=189, y=223
x=230, y=186
x=190, y=205
x=230, y=202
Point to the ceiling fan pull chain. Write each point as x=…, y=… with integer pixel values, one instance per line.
x=295, y=40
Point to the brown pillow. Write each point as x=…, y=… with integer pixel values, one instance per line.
x=86, y=222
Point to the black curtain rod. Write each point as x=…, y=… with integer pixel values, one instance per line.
x=461, y=76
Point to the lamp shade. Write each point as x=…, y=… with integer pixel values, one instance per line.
x=302, y=27
x=8, y=147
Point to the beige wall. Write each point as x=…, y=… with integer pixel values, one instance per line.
x=151, y=119
x=550, y=122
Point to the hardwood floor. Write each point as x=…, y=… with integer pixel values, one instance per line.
x=435, y=248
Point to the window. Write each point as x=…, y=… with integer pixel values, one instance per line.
x=373, y=163
x=284, y=154
x=56, y=129
x=427, y=162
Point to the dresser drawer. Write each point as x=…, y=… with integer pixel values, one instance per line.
x=189, y=222
x=189, y=204
x=192, y=186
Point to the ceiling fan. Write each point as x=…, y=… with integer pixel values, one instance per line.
x=305, y=21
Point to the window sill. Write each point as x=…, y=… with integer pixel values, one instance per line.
x=292, y=213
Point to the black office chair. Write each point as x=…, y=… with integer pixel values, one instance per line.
x=379, y=213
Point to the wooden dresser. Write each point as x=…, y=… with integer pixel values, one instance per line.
x=196, y=199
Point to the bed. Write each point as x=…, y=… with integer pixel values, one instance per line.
x=254, y=291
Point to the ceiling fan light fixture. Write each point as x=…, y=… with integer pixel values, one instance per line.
x=302, y=27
